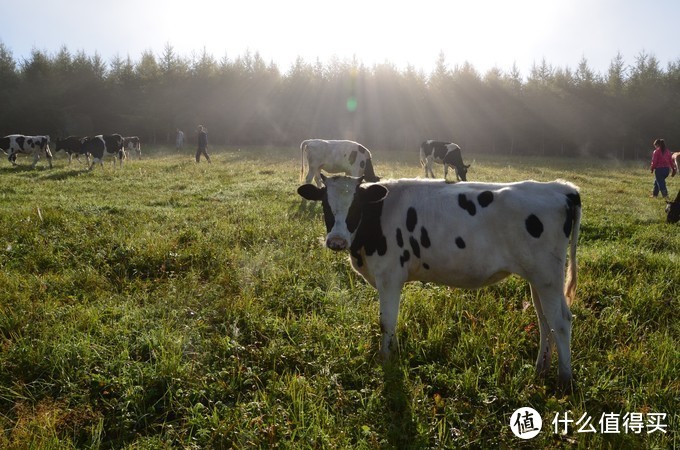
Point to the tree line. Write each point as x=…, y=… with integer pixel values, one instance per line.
x=247, y=101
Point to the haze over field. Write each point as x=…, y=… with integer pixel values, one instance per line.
x=486, y=34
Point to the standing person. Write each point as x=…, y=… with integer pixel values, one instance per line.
x=662, y=164
x=179, y=140
x=202, y=144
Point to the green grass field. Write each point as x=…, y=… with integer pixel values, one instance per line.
x=175, y=305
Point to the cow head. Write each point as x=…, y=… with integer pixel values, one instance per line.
x=343, y=199
x=673, y=210
x=461, y=171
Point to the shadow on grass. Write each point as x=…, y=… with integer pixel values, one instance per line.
x=64, y=175
x=402, y=431
x=305, y=209
x=19, y=168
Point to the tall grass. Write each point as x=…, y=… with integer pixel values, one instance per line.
x=170, y=304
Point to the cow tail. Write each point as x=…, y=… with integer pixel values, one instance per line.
x=303, y=149
x=570, y=284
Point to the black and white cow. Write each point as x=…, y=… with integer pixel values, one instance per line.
x=18, y=143
x=466, y=235
x=132, y=143
x=99, y=146
x=335, y=156
x=673, y=210
x=72, y=145
x=446, y=153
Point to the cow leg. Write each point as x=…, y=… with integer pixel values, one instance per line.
x=36, y=158
x=48, y=154
x=558, y=319
x=390, y=293
x=446, y=171
x=546, y=342
x=317, y=177
x=428, y=167
x=310, y=175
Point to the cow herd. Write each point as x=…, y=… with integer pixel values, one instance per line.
x=96, y=147
x=466, y=234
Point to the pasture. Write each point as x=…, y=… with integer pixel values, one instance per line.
x=169, y=304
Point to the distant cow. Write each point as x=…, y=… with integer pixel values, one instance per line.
x=674, y=158
x=101, y=145
x=72, y=145
x=132, y=143
x=673, y=210
x=18, y=143
x=463, y=235
x=446, y=153
x=335, y=156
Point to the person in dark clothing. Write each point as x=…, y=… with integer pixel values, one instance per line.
x=202, y=144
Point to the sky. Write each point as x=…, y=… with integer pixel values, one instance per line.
x=485, y=33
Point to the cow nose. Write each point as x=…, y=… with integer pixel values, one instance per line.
x=336, y=243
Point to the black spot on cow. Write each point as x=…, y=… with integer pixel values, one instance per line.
x=361, y=149
x=404, y=258
x=534, y=226
x=20, y=142
x=485, y=198
x=424, y=238
x=466, y=204
x=573, y=202
x=426, y=266
x=352, y=157
x=460, y=243
x=369, y=234
x=400, y=238
x=362, y=164
x=414, y=246
x=411, y=219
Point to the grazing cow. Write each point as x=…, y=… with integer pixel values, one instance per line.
x=100, y=145
x=72, y=145
x=18, y=143
x=132, y=143
x=673, y=210
x=336, y=156
x=466, y=235
x=446, y=153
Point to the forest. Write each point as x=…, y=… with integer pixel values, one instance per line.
x=247, y=101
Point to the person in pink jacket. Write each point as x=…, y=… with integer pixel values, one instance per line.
x=662, y=165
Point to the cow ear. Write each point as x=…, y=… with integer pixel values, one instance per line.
x=373, y=193
x=311, y=192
